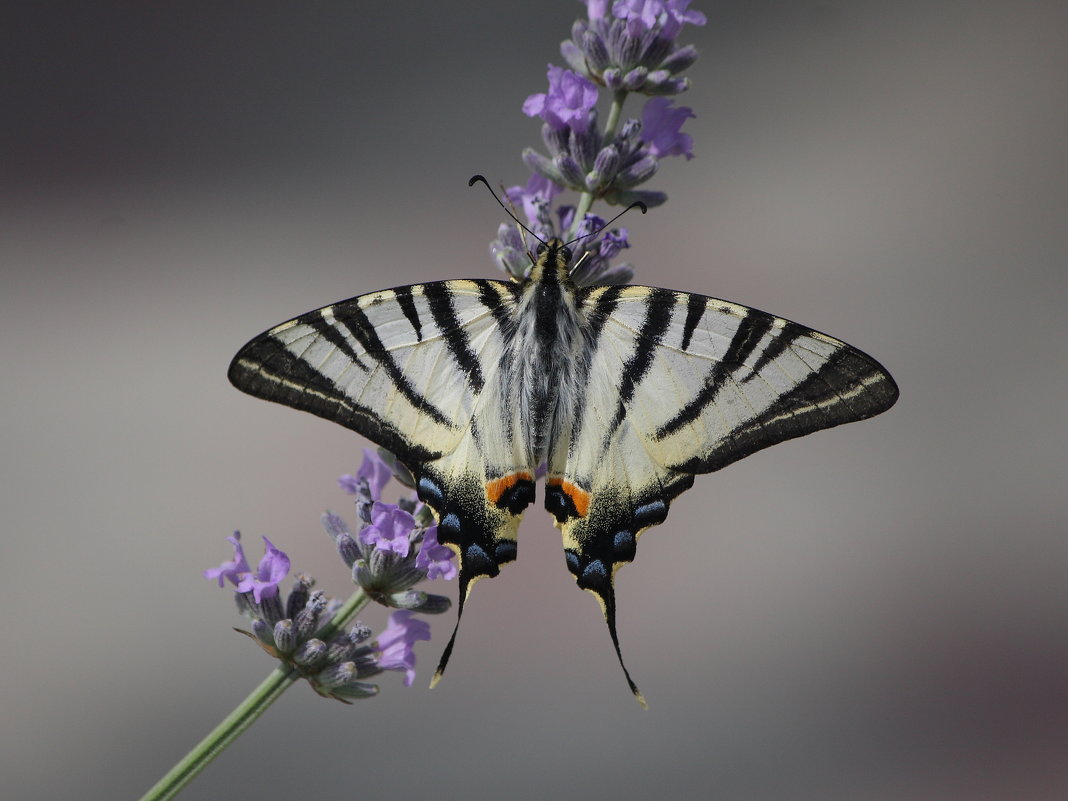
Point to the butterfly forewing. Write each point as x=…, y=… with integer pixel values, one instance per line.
x=417, y=370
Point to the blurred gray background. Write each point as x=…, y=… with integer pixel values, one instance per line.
x=878, y=612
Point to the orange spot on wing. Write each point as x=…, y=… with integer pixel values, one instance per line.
x=577, y=494
x=498, y=486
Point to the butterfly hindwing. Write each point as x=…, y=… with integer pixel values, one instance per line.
x=415, y=369
x=679, y=384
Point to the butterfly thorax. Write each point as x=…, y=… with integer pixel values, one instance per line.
x=545, y=351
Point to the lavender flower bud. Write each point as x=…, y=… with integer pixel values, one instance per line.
x=298, y=596
x=613, y=78
x=263, y=632
x=556, y=139
x=347, y=548
x=310, y=653
x=635, y=79
x=570, y=170
x=636, y=173
x=542, y=166
x=629, y=52
x=672, y=86
x=584, y=146
x=574, y=57
x=333, y=525
x=336, y=675
x=657, y=50
x=355, y=690
x=307, y=619
x=359, y=632
x=270, y=608
x=681, y=59
x=607, y=162
x=578, y=30
x=630, y=128
x=285, y=637
x=596, y=53
x=409, y=599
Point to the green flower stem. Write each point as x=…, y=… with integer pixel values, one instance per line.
x=246, y=713
x=585, y=200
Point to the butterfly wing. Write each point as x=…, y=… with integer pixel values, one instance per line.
x=679, y=384
x=415, y=369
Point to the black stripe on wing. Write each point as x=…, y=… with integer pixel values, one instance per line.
x=849, y=386
x=355, y=321
x=407, y=304
x=658, y=308
x=597, y=315
x=439, y=298
x=265, y=369
x=752, y=328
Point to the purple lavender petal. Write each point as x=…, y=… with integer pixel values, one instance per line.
x=233, y=569
x=596, y=9
x=613, y=242
x=273, y=567
x=435, y=558
x=567, y=103
x=661, y=126
x=390, y=529
x=678, y=10
x=377, y=472
x=539, y=190
x=394, y=645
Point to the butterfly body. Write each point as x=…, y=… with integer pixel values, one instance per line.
x=624, y=393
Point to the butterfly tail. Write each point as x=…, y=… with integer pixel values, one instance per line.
x=466, y=583
x=600, y=584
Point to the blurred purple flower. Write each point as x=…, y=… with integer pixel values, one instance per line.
x=394, y=645
x=597, y=9
x=435, y=558
x=233, y=569
x=538, y=192
x=390, y=529
x=568, y=102
x=273, y=567
x=661, y=128
x=613, y=242
x=644, y=15
x=373, y=469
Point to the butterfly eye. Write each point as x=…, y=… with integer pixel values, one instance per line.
x=540, y=249
x=566, y=253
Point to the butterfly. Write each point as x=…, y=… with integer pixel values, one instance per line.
x=622, y=393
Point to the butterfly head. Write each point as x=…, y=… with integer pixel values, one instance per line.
x=552, y=261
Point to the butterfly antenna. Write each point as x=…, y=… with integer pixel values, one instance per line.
x=637, y=204
x=481, y=179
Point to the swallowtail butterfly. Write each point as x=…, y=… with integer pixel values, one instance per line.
x=623, y=392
